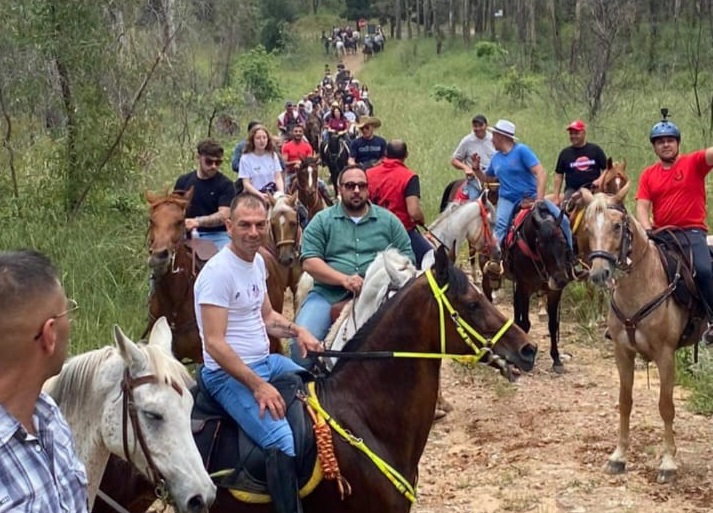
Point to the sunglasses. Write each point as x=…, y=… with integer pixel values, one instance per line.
x=71, y=307
x=210, y=161
x=350, y=186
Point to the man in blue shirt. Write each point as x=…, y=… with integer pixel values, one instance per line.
x=366, y=151
x=521, y=176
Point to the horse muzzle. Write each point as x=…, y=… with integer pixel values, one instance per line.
x=159, y=261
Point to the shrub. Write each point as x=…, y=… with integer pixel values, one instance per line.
x=452, y=95
x=489, y=49
x=256, y=72
x=518, y=86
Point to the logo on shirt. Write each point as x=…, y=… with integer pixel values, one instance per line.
x=582, y=164
x=254, y=291
x=237, y=296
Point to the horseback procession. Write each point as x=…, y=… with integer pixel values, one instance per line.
x=275, y=418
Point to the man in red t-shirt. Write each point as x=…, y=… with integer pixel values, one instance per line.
x=674, y=191
x=293, y=152
x=395, y=187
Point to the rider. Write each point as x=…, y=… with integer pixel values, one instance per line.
x=342, y=75
x=212, y=194
x=581, y=164
x=39, y=467
x=286, y=119
x=395, y=187
x=260, y=166
x=294, y=152
x=368, y=149
x=521, y=177
x=234, y=318
x=238, y=150
x=674, y=191
x=479, y=144
x=338, y=245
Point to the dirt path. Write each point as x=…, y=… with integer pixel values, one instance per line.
x=541, y=445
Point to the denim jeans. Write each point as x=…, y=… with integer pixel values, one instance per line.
x=239, y=402
x=315, y=316
x=503, y=218
x=419, y=244
x=472, y=188
x=220, y=239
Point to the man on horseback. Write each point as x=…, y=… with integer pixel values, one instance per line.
x=39, y=467
x=672, y=193
x=522, y=177
x=287, y=119
x=212, y=194
x=475, y=149
x=581, y=164
x=338, y=245
x=395, y=187
x=234, y=317
x=369, y=148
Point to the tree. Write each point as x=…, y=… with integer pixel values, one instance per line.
x=356, y=9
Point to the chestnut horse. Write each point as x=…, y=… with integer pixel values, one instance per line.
x=441, y=311
x=306, y=183
x=643, y=316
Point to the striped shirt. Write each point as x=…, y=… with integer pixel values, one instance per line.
x=40, y=473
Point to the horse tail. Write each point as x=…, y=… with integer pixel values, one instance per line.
x=446, y=198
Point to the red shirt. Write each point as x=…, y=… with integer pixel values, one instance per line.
x=387, y=187
x=677, y=194
x=292, y=150
x=338, y=125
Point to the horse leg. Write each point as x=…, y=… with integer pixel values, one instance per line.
x=521, y=307
x=666, y=366
x=553, y=326
x=625, y=365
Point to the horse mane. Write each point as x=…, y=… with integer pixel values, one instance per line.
x=450, y=208
x=172, y=198
x=599, y=205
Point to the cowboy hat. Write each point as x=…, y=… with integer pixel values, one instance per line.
x=366, y=120
x=504, y=127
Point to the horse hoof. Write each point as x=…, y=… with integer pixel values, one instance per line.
x=616, y=467
x=558, y=368
x=439, y=415
x=666, y=476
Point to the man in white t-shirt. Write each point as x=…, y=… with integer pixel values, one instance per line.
x=234, y=317
x=474, y=150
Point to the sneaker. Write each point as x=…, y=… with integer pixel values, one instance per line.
x=707, y=337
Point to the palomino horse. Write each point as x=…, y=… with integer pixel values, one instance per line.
x=134, y=402
x=307, y=184
x=438, y=312
x=643, y=317
x=334, y=154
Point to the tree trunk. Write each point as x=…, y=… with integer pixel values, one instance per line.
x=397, y=15
x=653, y=37
x=465, y=23
x=168, y=26
x=553, y=7
x=315, y=6
x=451, y=19
x=576, y=36
x=409, y=29
x=418, y=16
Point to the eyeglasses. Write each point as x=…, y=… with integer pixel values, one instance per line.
x=71, y=307
x=350, y=186
x=209, y=161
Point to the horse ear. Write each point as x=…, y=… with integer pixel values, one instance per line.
x=586, y=196
x=161, y=334
x=620, y=196
x=442, y=265
x=188, y=195
x=129, y=351
x=150, y=197
x=610, y=163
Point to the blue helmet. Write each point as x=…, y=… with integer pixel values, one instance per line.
x=664, y=128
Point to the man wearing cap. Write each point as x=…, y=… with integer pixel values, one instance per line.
x=474, y=150
x=286, y=119
x=369, y=148
x=521, y=176
x=581, y=164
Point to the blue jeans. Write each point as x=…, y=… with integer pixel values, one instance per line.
x=472, y=188
x=419, y=244
x=315, y=316
x=239, y=402
x=220, y=239
x=503, y=218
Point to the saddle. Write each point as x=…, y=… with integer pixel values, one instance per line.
x=337, y=308
x=514, y=236
x=201, y=251
x=224, y=446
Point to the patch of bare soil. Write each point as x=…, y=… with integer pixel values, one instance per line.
x=541, y=445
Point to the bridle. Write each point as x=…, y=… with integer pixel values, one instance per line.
x=620, y=261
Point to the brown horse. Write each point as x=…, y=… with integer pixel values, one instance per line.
x=307, y=184
x=313, y=131
x=643, y=316
x=405, y=388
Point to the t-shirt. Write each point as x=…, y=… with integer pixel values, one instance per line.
x=338, y=125
x=260, y=169
x=367, y=151
x=677, y=194
x=208, y=195
x=292, y=150
x=230, y=282
x=513, y=171
x=470, y=145
x=581, y=166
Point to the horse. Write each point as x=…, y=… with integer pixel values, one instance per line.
x=368, y=48
x=339, y=49
x=334, y=154
x=643, y=316
x=454, y=193
x=174, y=266
x=133, y=401
x=313, y=130
x=414, y=320
x=307, y=184
x=534, y=259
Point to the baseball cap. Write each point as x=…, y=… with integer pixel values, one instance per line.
x=577, y=125
x=288, y=103
x=480, y=119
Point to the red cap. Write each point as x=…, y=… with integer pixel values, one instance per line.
x=578, y=125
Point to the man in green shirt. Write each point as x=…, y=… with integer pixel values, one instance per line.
x=338, y=245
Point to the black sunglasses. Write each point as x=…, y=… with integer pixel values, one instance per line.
x=350, y=186
x=210, y=161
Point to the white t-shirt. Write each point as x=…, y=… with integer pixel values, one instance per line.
x=230, y=282
x=261, y=169
x=470, y=145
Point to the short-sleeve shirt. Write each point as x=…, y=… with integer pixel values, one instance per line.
x=581, y=166
x=367, y=151
x=677, y=194
x=40, y=473
x=208, y=196
x=350, y=247
x=229, y=282
x=470, y=145
x=338, y=124
x=260, y=169
x=292, y=150
x=514, y=172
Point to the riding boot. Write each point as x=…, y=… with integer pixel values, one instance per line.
x=282, y=482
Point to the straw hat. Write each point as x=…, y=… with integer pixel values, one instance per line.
x=367, y=120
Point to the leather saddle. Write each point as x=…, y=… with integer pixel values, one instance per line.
x=224, y=446
x=514, y=235
x=201, y=251
x=677, y=260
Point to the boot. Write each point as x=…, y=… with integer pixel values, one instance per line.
x=282, y=482
x=577, y=271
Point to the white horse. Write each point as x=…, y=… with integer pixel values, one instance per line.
x=133, y=401
x=339, y=49
x=361, y=108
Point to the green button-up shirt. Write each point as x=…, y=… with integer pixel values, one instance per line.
x=350, y=247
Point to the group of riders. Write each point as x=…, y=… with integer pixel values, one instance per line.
x=341, y=41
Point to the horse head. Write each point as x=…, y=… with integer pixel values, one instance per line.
x=167, y=213
x=308, y=178
x=550, y=244
x=285, y=229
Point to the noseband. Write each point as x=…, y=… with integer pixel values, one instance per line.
x=620, y=261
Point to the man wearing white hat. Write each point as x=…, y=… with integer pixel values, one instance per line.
x=521, y=176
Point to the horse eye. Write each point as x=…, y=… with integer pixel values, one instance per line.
x=473, y=306
x=617, y=226
x=152, y=415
